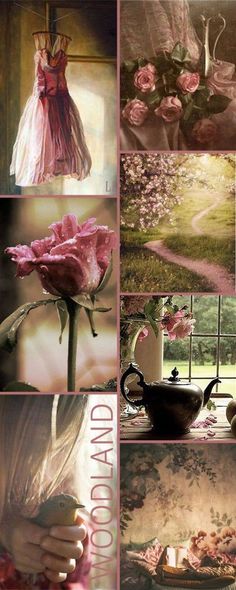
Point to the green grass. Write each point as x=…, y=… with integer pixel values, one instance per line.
x=143, y=271
x=206, y=372
x=219, y=251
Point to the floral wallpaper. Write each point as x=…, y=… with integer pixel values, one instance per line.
x=171, y=491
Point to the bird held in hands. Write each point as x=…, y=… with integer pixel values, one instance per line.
x=61, y=510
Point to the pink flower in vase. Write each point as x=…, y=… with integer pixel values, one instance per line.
x=143, y=334
x=73, y=260
x=178, y=325
x=188, y=82
x=145, y=78
x=135, y=111
x=170, y=109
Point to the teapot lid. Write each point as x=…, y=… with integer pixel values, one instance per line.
x=174, y=378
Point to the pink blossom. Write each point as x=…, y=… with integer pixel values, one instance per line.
x=170, y=109
x=132, y=305
x=188, y=82
x=145, y=78
x=136, y=111
x=143, y=334
x=204, y=131
x=72, y=260
x=178, y=325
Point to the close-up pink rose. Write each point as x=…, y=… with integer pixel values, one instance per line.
x=73, y=260
x=204, y=131
x=170, y=109
x=178, y=325
x=188, y=82
x=145, y=78
x=136, y=111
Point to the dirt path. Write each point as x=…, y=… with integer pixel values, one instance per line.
x=221, y=280
x=196, y=218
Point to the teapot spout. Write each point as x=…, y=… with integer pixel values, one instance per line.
x=208, y=390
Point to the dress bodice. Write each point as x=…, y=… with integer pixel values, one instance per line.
x=50, y=73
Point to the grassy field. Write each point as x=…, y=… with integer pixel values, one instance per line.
x=220, y=251
x=206, y=372
x=144, y=271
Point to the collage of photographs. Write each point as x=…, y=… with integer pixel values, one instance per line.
x=117, y=294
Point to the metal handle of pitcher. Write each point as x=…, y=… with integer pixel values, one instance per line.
x=131, y=371
x=219, y=35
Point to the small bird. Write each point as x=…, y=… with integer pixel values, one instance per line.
x=61, y=510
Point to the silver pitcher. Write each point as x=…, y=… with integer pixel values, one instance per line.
x=206, y=58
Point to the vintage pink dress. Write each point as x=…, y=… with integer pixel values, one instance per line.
x=50, y=139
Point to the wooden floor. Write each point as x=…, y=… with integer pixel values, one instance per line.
x=139, y=427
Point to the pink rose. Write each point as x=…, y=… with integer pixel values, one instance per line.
x=133, y=304
x=72, y=260
x=188, y=82
x=143, y=334
x=204, y=131
x=145, y=78
x=178, y=325
x=170, y=109
x=135, y=111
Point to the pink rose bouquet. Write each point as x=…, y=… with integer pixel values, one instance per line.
x=170, y=109
x=145, y=78
x=73, y=260
x=135, y=111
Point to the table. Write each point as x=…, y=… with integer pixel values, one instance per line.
x=139, y=427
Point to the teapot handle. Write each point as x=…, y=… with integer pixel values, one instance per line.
x=130, y=371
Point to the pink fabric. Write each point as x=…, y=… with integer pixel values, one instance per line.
x=50, y=139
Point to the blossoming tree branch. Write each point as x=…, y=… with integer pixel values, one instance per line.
x=74, y=265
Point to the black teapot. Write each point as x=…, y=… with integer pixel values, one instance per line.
x=172, y=405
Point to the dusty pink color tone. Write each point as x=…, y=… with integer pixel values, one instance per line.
x=133, y=304
x=188, y=82
x=205, y=131
x=170, y=109
x=143, y=334
x=72, y=260
x=178, y=325
x=135, y=111
x=145, y=78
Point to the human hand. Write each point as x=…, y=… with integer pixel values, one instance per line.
x=22, y=539
x=62, y=547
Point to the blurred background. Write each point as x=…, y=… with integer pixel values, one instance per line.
x=91, y=78
x=39, y=358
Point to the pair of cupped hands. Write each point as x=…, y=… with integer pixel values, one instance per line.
x=52, y=551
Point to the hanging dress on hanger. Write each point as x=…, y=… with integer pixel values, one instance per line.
x=50, y=140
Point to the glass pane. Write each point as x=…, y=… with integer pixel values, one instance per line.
x=176, y=354
x=228, y=315
x=227, y=357
x=227, y=386
x=205, y=312
x=91, y=25
x=204, y=356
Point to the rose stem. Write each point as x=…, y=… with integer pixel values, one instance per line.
x=73, y=311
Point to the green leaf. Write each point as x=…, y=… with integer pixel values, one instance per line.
x=180, y=54
x=154, y=97
x=217, y=103
x=105, y=279
x=63, y=316
x=130, y=65
x=84, y=301
x=19, y=386
x=162, y=62
x=102, y=309
x=188, y=111
x=9, y=327
x=142, y=61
